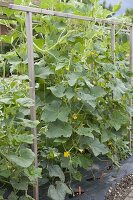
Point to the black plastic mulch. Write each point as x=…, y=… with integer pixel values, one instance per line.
x=97, y=180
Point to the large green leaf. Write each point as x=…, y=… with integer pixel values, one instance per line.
x=59, y=192
x=39, y=43
x=50, y=112
x=24, y=159
x=6, y=100
x=88, y=98
x=5, y=171
x=56, y=171
x=118, y=118
x=58, y=90
x=20, y=184
x=42, y=72
x=55, y=111
x=7, y=39
x=77, y=176
x=33, y=173
x=13, y=196
x=87, y=81
x=25, y=102
x=98, y=91
x=24, y=138
x=58, y=129
x=28, y=123
x=12, y=58
x=60, y=66
x=85, y=131
x=69, y=93
x=85, y=161
x=82, y=160
x=98, y=148
x=118, y=88
x=72, y=78
x=106, y=135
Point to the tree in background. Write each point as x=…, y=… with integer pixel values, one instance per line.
x=129, y=13
x=110, y=7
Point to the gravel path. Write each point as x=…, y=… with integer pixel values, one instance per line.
x=122, y=190
x=130, y=195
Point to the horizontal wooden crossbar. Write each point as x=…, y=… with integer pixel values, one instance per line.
x=66, y=15
x=4, y=4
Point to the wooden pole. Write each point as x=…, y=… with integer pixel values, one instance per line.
x=66, y=15
x=5, y=4
x=131, y=81
x=29, y=33
x=0, y=42
x=113, y=42
x=36, y=22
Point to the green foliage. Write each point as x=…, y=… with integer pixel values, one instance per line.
x=55, y=171
x=129, y=13
x=117, y=6
x=59, y=192
x=15, y=153
x=112, y=8
x=82, y=97
x=25, y=158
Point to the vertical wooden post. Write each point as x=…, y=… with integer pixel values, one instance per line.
x=113, y=42
x=29, y=33
x=131, y=81
x=0, y=42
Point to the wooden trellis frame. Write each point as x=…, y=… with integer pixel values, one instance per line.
x=131, y=101
x=29, y=31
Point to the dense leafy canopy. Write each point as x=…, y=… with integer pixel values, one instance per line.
x=82, y=96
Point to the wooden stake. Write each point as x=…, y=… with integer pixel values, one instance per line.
x=131, y=81
x=113, y=42
x=29, y=33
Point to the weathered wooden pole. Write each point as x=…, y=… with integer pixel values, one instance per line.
x=66, y=15
x=131, y=81
x=29, y=32
x=113, y=42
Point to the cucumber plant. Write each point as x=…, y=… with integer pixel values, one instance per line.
x=82, y=95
